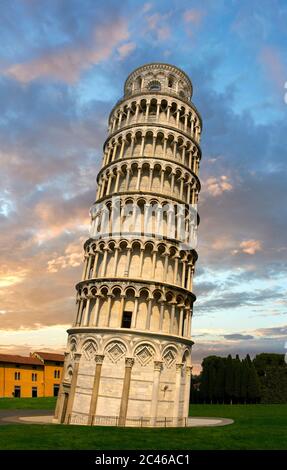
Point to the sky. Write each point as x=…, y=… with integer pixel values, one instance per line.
x=63, y=64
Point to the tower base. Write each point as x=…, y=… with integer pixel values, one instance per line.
x=119, y=377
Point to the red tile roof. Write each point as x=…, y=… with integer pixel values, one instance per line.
x=14, y=359
x=46, y=356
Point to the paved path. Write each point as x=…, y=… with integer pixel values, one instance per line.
x=46, y=416
x=18, y=416
x=197, y=422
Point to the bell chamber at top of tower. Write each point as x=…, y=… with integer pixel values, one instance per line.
x=158, y=77
x=156, y=95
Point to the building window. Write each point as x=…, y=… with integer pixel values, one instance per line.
x=34, y=377
x=138, y=83
x=56, y=374
x=56, y=389
x=154, y=86
x=17, y=375
x=17, y=391
x=34, y=392
x=127, y=319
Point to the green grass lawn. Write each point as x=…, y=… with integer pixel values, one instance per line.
x=255, y=427
x=27, y=403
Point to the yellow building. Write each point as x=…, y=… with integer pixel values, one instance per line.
x=38, y=375
x=53, y=366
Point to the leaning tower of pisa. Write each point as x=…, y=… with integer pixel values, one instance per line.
x=128, y=358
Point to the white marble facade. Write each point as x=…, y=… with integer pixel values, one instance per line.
x=128, y=359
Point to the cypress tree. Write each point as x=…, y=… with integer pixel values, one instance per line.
x=229, y=379
x=244, y=380
x=204, y=384
x=237, y=378
x=212, y=381
x=253, y=385
x=220, y=380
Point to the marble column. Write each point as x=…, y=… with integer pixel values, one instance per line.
x=60, y=403
x=122, y=149
x=129, y=362
x=177, y=393
x=77, y=357
x=155, y=391
x=99, y=358
x=188, y=370
x=95, y=312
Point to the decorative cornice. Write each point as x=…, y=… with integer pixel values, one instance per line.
x=141, y=194
x=128, y=281
x=158, y=126
x=172, y=242
x=142, y=93
x=138, y=238
x=146, y=159
x=130, y=332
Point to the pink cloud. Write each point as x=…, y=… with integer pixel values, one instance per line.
x=250, y=247
x=274, y=67
x=156, y=24
x=73, y=257
x=217, y=186
x=193, y=16
x=126, y=49
x=68, y=63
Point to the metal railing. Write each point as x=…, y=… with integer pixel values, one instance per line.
x=137, y=421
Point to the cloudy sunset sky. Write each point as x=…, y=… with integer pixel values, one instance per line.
x=63, y=64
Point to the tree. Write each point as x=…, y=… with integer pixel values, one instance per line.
x=208, y=378
x=204, y=385
x=237, y=366
x=243, y=380
x=229, y=379
x=272, y=372
x=253, y=384
x=219, y=392
x=265, y=360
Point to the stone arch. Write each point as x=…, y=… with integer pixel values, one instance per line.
x=154, y=85
x=186, y=357
x=73, y=346
x=103, y=305
x=157, y=298
x=148, y=257
x=134, y=268
x=169, y=355
x=116, y=349
x=89, y=349
x=144, y=353
x=144, y=295
x=69, y=373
